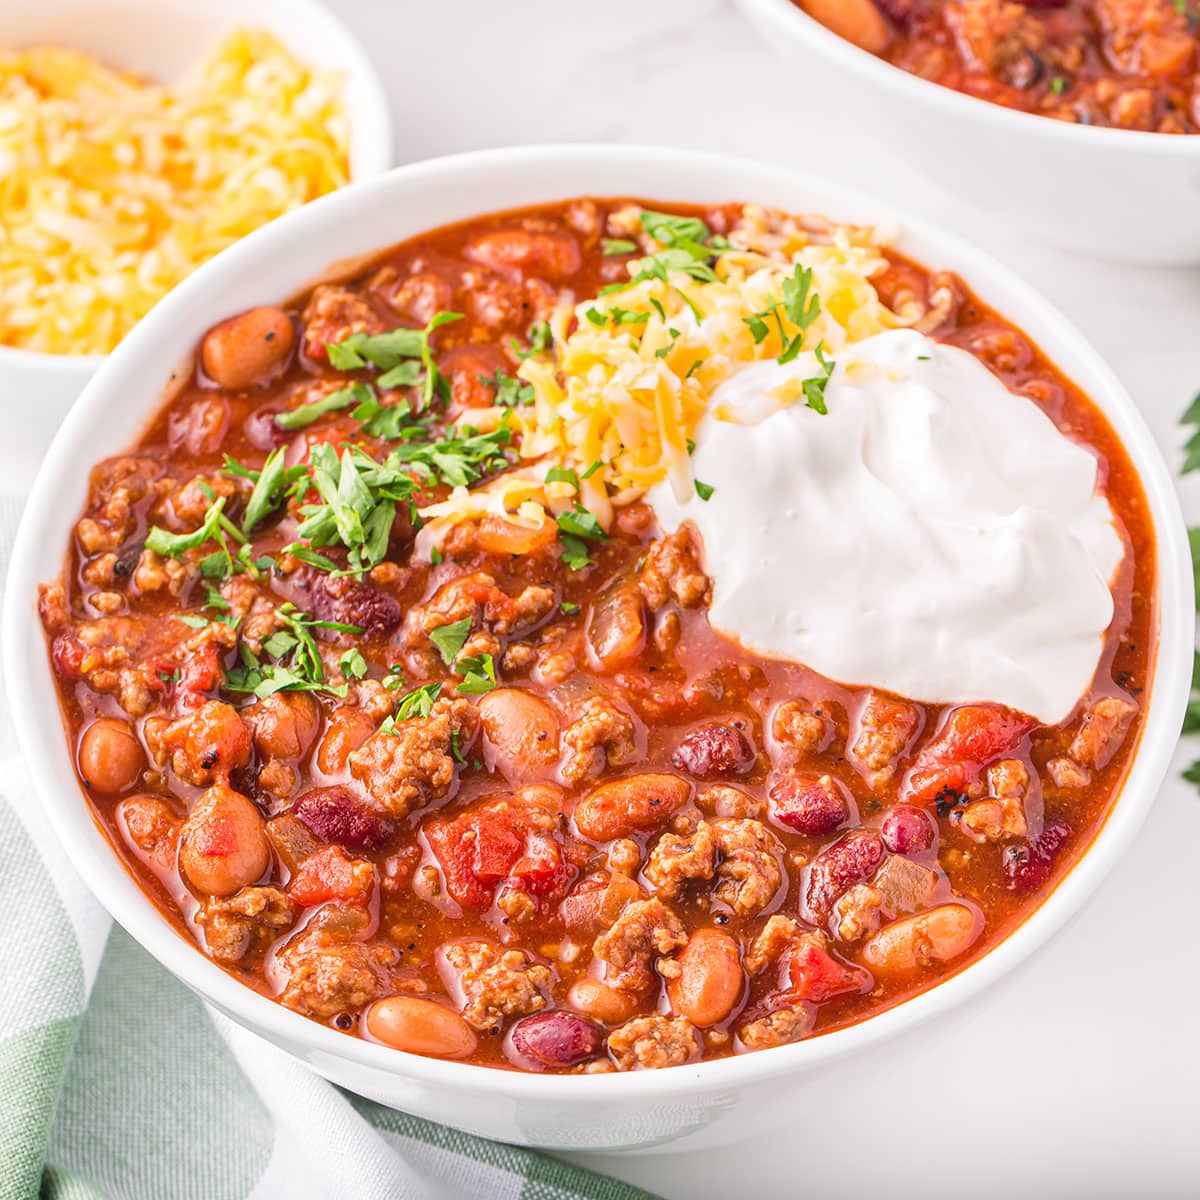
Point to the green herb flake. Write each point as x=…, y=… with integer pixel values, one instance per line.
x=478, y=675
x=450, y=639
x=704, y=490
x=308, y=414
x=569, y=608
x=353, y=665
x=613, y=247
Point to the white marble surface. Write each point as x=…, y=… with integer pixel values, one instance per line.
x=1079, y=1078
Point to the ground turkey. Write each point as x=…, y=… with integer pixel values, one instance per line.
x=601, y=734
x=653, y=1042
x=494, y=983
x=672, y=572
x=643, y=931
x=414, y=763
x=248, y=921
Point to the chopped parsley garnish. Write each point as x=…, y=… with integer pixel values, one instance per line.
x=216, y=526
x=510, y=392
x=582, y=522
x=353, y=665
x=478, y=675
x=600, y=317
x=1058, y=84
x=450, y=639
x=576, y=528
x=814, y=387
x=404, y=358
x=272, y=484
x=307, y=414
x=592, y=470
x=612, y=247
x=388, y=421
x=558, y=474
x=569, y=608
x=359, y=499
x=704, y=490
x=417, y=703
x=192, y=621
x=800, y=305
x=172, y=545
x=297, y=667
x=540, y=340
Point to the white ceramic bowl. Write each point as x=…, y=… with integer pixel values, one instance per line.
x=1114, y=193
x=161, y=39
x=724, y=1098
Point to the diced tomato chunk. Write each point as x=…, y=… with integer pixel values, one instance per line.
x=813, y=974
x=489, y=847
x=498, y=845
x=973, y=736
x=331, y=874
x=540, y=870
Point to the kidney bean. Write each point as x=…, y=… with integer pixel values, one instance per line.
x=336, y=814
x=907, y=830
x=420, y=1027
x=715, y=749
x=1027, y=867
x=110, y=756
x=710, y=979
x=350, y=602
x=842, y=865
x=936, y=935
x=808, y=804
x=635, y=804
x=248, y=350
x=553, y=1039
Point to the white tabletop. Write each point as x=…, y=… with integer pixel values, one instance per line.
x=1079, y=1077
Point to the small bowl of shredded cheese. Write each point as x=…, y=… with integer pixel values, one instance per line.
x=139, y=138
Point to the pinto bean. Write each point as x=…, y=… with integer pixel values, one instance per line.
x=284, y=725
x=520, y=733
x=110, y=756
x=420, y=1027
x=710, y=979
x=858, y=21
x=934, y=936
x=605, y=1004
x=347, y=729
x=223, y=844
x=248, y=350
x=635, y=804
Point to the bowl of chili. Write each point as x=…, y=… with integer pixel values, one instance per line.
x=218, y=821
x=1044, y=116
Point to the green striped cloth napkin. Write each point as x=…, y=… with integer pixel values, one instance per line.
x=117, y=1083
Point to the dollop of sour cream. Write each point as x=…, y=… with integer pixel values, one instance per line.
x=933, y=534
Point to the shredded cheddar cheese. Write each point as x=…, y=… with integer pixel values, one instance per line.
x=113, y=190
x=632, y=372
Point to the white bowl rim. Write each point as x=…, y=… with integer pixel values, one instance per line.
x=786, y=15
x=378, y=161
x=23, y=645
